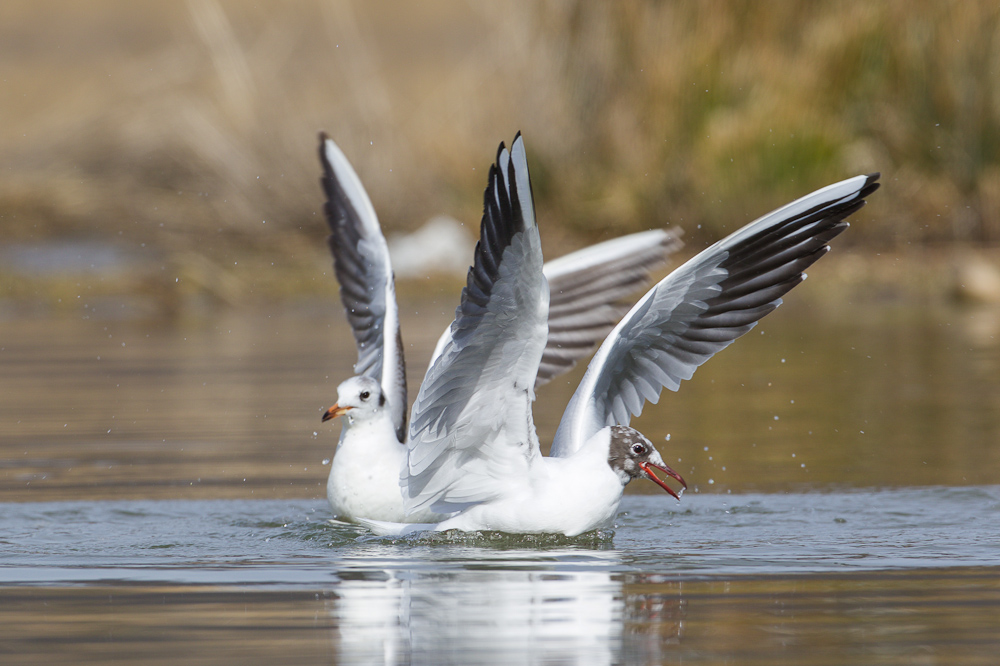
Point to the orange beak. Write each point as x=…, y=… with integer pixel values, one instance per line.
x=334, y=412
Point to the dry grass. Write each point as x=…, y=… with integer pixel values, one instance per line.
x=192, y=126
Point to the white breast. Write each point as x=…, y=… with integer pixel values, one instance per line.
x=364, y=475
x=568, y=496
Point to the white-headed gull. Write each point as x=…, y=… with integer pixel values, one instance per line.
x=587, y=288
x=473, y=452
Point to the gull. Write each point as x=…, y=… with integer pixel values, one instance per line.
x=473, y=453
x=586, y=291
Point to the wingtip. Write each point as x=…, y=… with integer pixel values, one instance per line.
x=672, y=241
x=516, y=144
x=871, y=184
x=518, y=151
x=324, y=159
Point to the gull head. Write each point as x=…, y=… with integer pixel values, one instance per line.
x=632, y=456
x=358, y=397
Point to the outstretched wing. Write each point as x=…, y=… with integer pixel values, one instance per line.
x=586, y=289
x=703, y=306
x=471, y=431
x=361, y=263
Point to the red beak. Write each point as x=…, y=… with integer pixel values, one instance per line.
x=646, y=467
x=336, y=411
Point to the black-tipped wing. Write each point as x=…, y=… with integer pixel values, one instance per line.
x=361, y=263
x=703, y=306
x=471, y=430
x=587, y=289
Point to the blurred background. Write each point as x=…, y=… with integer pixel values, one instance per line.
x=184, y=133
x=159, y=181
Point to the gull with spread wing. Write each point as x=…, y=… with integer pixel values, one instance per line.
x=586, y=291
x=473, y=451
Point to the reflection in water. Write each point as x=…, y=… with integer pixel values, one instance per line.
x=518, y=617
x=116, y=410
x=496, y=616
x=892, y=576
x=368, y=613
x=942, y=616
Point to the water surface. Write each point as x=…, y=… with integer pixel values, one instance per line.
x=161, y=498
x=880, y=574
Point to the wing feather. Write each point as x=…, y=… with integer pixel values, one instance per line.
x=703, y=306
x=361, y=264
x=471, y=428
x=586, y=289
x=586, y=292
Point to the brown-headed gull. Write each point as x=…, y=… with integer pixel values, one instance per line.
x=586, y=288
x=473, y=453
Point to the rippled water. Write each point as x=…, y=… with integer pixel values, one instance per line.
x=288, y=543
x=161, y=498
x=871, y=573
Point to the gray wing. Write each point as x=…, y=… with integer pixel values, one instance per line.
x=361, y=263
x=703, y=306
x=586, y=289
x=471, y=430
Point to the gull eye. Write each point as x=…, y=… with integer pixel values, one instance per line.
x=365, y=395
x=638, y=449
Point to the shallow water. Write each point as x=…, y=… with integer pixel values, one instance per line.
x=880, y=576
x=282, y=543
x=161, y=499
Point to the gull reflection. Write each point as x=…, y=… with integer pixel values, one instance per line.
x=495, y=612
